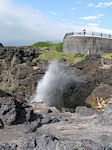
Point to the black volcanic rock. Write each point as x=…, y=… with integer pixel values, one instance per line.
x=14, y=112
x=50, y=142
x=17, y=76
x=32, y=126
x=1, y=123
x=8, y=146
x=73, y=131
x=1, y=45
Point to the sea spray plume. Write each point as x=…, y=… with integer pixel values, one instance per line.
x=45, y=83
x=55, y=88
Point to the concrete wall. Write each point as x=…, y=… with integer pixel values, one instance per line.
x=81, y=44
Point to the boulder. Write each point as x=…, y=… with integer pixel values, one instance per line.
x=15, y=112
x=100, y=97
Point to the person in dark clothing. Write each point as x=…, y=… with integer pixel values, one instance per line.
x=84, y=31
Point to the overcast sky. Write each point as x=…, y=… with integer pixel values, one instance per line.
x=23, y=22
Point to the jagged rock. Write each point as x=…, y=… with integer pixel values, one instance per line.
x=48, y=128
x=28, y=143
x=1, y=123
x=39, y=141
x=8, y=146
x=81, y=92
x=64, y=109
x=84, y=111
x=49, y=119
x=14, y=112
x=100, y=97
x=107, y=141
x=32, y=126
x=106, y=117
x=22, y=80
x=8, y=111
x=4, y=94
x=90, y=64
x=41, y=108
x=50, y=142
x=68, y=133
x=88, y=144
x=17, y=76
x=1, y=45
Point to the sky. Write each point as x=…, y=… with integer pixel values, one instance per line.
x=24, y=22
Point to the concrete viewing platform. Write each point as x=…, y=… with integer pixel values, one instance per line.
x=94, y=43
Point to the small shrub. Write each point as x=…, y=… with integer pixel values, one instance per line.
x=43, y=44
x=79, y=55
x=59, y=47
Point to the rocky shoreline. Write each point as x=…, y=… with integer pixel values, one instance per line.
x=84, y=120
x=49, y=129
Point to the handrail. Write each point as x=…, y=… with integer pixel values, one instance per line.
x=93, y=34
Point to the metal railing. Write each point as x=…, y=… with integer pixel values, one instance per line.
x=94, y=34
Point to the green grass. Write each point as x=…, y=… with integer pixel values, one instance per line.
x=58, y=47
x=54, y=55
x=43, y=44
x=107, y=55
x=79, y=55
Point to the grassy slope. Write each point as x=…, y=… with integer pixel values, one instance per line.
x=43, y=44
x=107, y=55
x=56, y=53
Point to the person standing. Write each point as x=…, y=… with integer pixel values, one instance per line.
x=84, y=32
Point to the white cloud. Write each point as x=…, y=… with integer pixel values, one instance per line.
x=22, y=25
x=90, y=5
x=95, y=28
x=101, y=4
x=93, y=24
x=92, y=17
x=64, y=20
x=53, y=13
x=89, y=18
x=100, y=15
x=108, y=4
x=73, y=8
